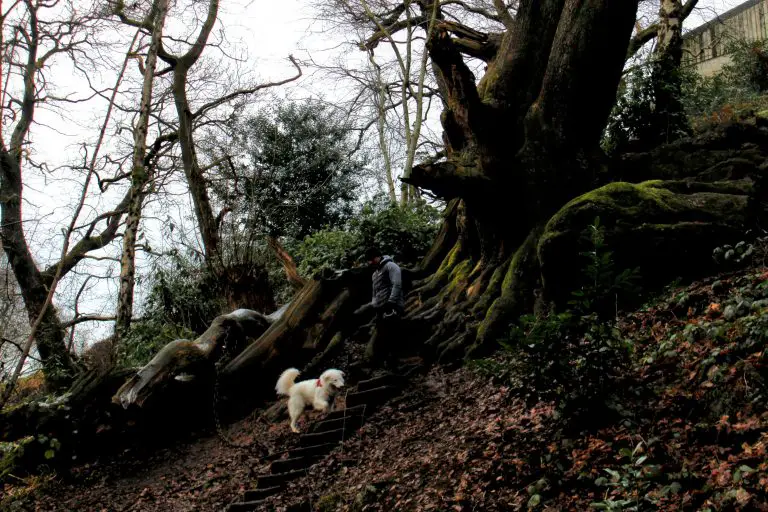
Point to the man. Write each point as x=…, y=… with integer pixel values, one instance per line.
x=388, y=303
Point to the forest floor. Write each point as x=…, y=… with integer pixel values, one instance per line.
x=690, y=433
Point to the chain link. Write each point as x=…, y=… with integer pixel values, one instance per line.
x=216, y=384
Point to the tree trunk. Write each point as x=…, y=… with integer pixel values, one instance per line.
x=198, y=187
x=140, y=176
x=50, y=339
x=380, y=99
x=520, y=145
x=669, y=119
x=227, y=336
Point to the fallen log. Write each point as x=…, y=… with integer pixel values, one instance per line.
x=184, y=359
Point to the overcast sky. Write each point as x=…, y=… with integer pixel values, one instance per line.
x=267, y=31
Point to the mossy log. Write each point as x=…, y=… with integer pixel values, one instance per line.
x=228, y=335
x=319, y=313
x=665, y=229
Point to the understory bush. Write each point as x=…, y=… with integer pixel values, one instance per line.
x=403, y=233
x=575, y=357
x=738, y=90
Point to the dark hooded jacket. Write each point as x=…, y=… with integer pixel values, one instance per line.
x=387, y=285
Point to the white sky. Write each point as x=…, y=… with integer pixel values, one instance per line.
x=267, y=31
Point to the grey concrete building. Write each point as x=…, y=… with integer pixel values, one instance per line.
x=705, y=46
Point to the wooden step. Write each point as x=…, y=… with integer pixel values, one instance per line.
x=372, y=397
x=267, y=481
x=346, y=413
x=354, y=422
x=283, y=465
x=260, y=494
x=246, y=506
x=311, y=451
x=332, y=436
x=304, y=506
x=389, y=379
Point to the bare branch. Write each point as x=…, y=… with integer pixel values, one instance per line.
x=649, y=33
x=88, y=318
x=244, y=92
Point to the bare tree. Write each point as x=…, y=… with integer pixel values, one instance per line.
x=395, y=89
x=35, y=43
x=141, y=172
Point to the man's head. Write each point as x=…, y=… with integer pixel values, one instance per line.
x=373, y=256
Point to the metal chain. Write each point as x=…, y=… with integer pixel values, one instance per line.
x=216, y=383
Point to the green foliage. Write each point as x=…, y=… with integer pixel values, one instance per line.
x=11, y=453
x=631, y=118
x=605, y=286
x=326, y=249
x=634, y=478
x=406, y=234
x=300, y=172
x=636, y=121
x=748, y=69
x=575, y=360
x=575, y=357
x=738, y=89
x=742, y=252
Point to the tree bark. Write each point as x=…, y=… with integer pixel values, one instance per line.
x=669, y=119
x=195, y=178
x=50, y=338
x=227, y=336
x=520, y=145
x=141, y=175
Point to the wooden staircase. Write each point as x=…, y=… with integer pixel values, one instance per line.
x=323, y=436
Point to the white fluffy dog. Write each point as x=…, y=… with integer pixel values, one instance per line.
x=318, y=393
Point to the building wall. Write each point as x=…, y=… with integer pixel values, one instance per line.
x=705, y=46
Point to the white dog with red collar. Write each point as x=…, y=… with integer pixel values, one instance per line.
x=319, y=393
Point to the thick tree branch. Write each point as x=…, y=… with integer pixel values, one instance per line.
x=460, y=94
x=88, y=318
x=386, y=32
x=448, y=179
x=504, y=15
x=119, y=10
x=90, y=243
x=649, y=33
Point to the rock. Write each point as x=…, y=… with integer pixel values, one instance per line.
x=729, y=313
x=718, y=287
x=743, y=307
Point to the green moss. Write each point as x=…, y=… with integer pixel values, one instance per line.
x=450, y=260
x=493, y=288
x=654, y=202
x=328, y=503
x=666, y=228
x=459, y=276
x=506, y=306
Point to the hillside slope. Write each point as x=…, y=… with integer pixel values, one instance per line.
x=689, y=434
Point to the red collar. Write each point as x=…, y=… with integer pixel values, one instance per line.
x=319, y=383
